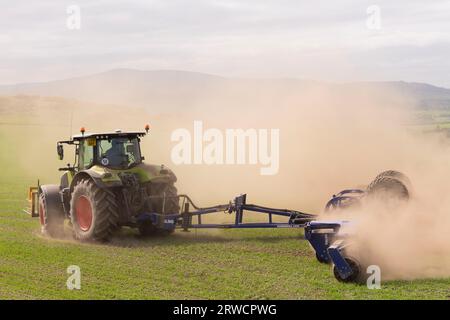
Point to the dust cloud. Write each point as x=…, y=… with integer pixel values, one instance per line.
x=331, y=138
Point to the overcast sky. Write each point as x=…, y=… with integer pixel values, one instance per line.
x=323, y=40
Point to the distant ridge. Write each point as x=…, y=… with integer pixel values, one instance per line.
x=165, y=89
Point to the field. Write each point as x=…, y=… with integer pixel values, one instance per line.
x=225, y=264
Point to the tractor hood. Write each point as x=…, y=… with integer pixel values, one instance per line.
x=144, y=172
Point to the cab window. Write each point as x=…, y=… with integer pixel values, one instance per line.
x=86, y=154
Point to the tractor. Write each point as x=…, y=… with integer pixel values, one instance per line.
x=108, y=186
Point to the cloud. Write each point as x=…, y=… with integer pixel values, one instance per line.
x=281, y=38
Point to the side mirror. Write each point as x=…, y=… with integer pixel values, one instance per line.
x=60, y=151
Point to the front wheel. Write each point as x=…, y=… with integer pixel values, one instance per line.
x=93, y=211
x=51, y=211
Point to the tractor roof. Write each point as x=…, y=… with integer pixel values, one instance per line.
x=107, y=135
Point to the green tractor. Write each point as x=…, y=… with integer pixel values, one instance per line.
x=107, y=187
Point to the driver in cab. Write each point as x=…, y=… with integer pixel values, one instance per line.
x=116, y=154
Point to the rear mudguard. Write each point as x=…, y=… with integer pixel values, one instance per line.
x=96, y=177
x=106, y=178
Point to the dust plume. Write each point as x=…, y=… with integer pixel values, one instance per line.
x=331, y=138
x=408, y=240
x=407, y=243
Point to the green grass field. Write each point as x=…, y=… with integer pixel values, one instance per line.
x=219, y=264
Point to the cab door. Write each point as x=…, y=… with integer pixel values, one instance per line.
x=86, y=153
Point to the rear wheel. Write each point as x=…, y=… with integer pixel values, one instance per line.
x=166, y=202
x=93, y=211
x=51, y=211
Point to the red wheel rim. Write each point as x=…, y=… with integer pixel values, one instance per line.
x=83, y=211
x=41, y=213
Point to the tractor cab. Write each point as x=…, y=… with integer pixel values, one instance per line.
x=115, y=150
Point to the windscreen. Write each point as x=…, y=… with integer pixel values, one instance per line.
x=119, y=152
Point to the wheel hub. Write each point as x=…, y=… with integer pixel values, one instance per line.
x=83, y=211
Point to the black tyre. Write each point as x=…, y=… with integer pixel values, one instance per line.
x=396, y=175
x=356, y=271
x=166, y=202
x=51, y=211
x=93, y=211
x=389, y=188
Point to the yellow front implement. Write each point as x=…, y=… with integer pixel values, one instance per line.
x=33, y=202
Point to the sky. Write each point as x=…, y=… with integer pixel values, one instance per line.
x=346, y=40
